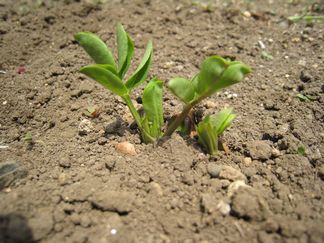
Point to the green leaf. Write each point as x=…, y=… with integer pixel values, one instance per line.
x=207, y=137
x=266, y=56
x=152, y=105
x=301, y=151
x=141, y=72
x=125, y=50
x=233, y=74
x=306, y=97
x=222, y=120
x=212, y=127
x=211, y=70
x=96, y=48
x=106, y=78
x=182, y=88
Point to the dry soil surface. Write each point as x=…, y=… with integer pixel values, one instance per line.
x=68, y=183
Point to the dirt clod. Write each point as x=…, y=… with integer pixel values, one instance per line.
x=259, y=150
x=113, y=201
x=248, y=204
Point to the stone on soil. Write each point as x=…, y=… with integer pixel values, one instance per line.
x=213, y=170
x=85, y=127
x=10, y=172
x=231, y=174
x=126, y=148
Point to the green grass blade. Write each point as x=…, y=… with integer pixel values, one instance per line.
x=141, y=72
x=106, y=78
x=96, y=48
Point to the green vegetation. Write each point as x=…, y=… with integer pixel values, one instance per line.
x=210, y=129
x=215, y=74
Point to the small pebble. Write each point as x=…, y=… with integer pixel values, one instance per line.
x=247, y=14
x=247, y=161
x=85, y=127
x=213, y=170
x=275, y=152
x=224, y=208
x=102, y=141
x=126, y=148
x=63, y=179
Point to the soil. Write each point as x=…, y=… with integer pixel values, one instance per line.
x=68, y=183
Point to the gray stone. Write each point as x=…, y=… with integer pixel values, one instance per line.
x=305, y=76
x=10, y=172
x=213, y=170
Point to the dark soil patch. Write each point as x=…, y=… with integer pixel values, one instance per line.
x=78, y=188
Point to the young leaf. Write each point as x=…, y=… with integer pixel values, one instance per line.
x=182, y=88
x=233, y=74
x=211, y=70
x=212, y=127
x=141, y=72
x=301, y=150
x=106, y=78
x=152, y=104
x=125, y=50
x=222, y=120
x=96, y=48
x=207, y=137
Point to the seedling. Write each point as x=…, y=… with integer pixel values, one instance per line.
x=306, y=18
x=215, y=74
x=266, y=56
x=112, y=76
x=210, y=129
x=28, y=137
x=301, y=151
x=91, y=112
x=306, y=97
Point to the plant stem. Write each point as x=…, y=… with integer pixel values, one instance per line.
x=146, y=137
x=176, y=123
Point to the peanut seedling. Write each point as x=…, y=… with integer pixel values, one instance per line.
x=111, y=75
x=210, y=129
x=215, y=74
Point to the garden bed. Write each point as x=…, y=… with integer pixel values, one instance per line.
x=61, y=184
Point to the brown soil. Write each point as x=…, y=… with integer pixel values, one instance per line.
x=67, y=187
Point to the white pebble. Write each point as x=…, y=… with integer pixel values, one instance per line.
x=113, y=231
x=261, y=44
